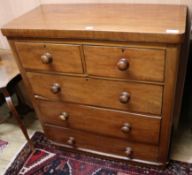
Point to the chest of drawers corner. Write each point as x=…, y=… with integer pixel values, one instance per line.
x=110, y=91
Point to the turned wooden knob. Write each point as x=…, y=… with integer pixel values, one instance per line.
x=123, y=64
x=71, y=141
x=124, y=97
x=126, y=127
x=46, y=58
x=55, y=88
x=128, y=151
x=64, y=116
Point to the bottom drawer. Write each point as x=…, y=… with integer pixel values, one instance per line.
x=107, y=146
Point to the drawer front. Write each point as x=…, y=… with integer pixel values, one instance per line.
x=87, y=141
x=111, y=123
x=50, y=57
x=126, y=63
x=127, y=96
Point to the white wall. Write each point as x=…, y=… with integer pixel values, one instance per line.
x=188, y=2
x=116, y=1
x=10, y=9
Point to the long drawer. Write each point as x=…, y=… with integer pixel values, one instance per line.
x=50, y=57
x=89, y=142
x=127, y=96
x=127, y=63
x=112, y=123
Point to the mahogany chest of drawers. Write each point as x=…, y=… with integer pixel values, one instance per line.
x=103, y=78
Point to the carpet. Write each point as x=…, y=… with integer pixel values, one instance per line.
x=49, y=159
x=3, y=144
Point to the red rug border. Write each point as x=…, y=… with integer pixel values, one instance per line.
x=97, y=159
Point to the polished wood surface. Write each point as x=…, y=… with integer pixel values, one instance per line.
x=144, y=98
x=78, y=139
x=63, y=57
x=112, y=123
x=142, y=64
x=169, y=96
x=123, y=76
x=133, y=22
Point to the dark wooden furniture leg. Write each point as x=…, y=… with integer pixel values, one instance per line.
x=16, y=115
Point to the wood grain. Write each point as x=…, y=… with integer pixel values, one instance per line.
x=65, y=57
x=103, y=144
x=24, y=77
x=123, y=22
x=142, y=128
x=152, y=35
x=172, y=65
x=144, y=64
x=144, y=98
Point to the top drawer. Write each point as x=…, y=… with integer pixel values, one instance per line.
x=50, y=57
x=125, y=63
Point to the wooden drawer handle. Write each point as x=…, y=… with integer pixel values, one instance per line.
x=46, y=58
x=124, y=97
x=126, y=127
x=71, y=141
x=64, y=116
x=55, y=88
x=128, y=151
x=123, y=64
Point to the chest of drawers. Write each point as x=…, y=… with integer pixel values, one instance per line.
x=103, y=78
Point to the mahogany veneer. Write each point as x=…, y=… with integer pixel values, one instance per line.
x=103, y=77
x=145, y=98
x=136, y=127
x=56, y=63
x=107, y=61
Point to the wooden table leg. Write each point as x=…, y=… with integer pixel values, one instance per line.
x=16, y=116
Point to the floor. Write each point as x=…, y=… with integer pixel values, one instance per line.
x=10, y=132
x=181, y=147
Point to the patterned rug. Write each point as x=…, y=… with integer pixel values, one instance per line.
x=48, y=159
x=3, y=144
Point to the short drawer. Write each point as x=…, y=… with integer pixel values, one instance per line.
x=127, y=96
x=50, y=57
x=105, y=145
x=125, y=63
x=112, y=123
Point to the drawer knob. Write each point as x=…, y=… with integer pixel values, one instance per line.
x=46, y=58
x=128, y=151
x=64, y=116
x=123, y=64
x=55, y=88
x=126, y=127
x=71, y=141
x=124, y=97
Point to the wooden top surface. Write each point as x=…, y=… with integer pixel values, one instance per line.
x=8, y=69
x=122, y=22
